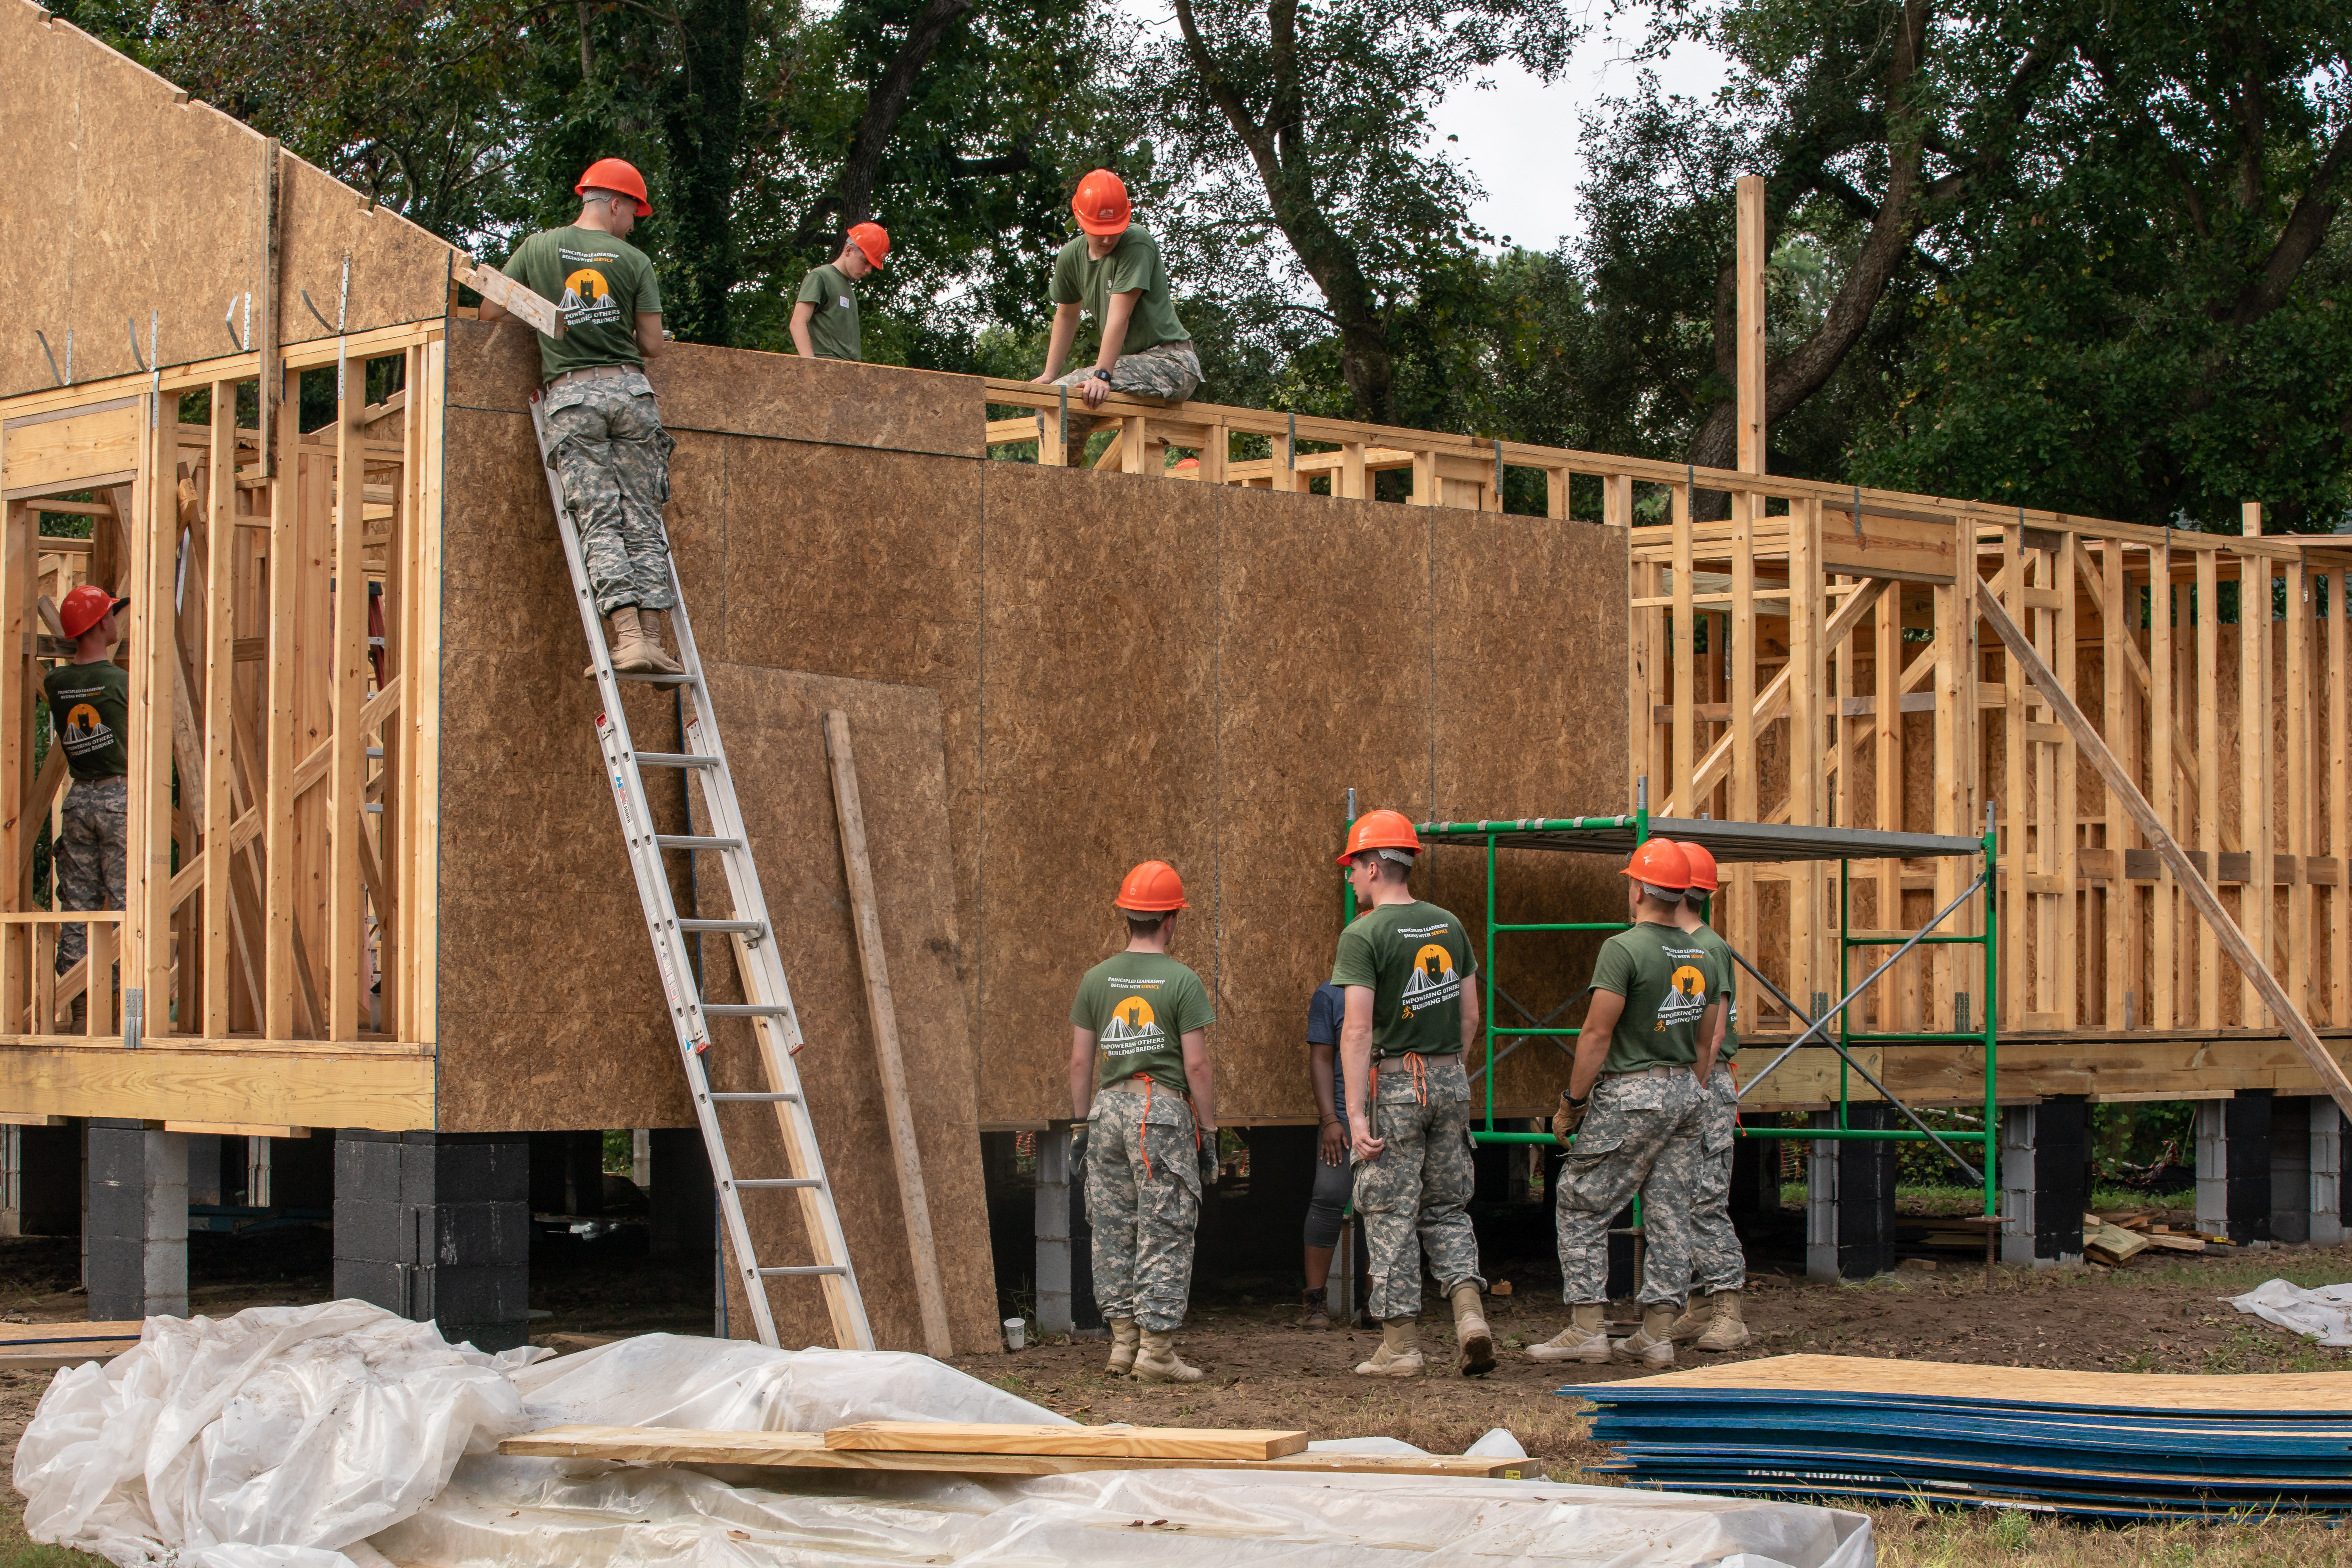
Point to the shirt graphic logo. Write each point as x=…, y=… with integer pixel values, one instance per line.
x=1432, y=980
x=85, y=731
x=1686, y=998
x=1134, y=1029
x=588, y=298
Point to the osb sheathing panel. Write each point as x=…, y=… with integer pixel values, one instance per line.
x=776, y=744
x=136, y=205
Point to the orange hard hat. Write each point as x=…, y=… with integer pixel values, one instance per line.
x=1152, y=887
x=85, y=606
x=1661, y=863
x=1381, y=829
x=1702, y=865
x=1101, y=204
x=872, y=240
x=616, y=174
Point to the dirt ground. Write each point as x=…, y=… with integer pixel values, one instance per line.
x=2152, y=1315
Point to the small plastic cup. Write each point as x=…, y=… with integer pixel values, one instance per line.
x=1016, y=1333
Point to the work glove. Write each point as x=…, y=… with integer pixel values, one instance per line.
x=1078, y=1143
x=1208, y=1158
x=1568, y=1117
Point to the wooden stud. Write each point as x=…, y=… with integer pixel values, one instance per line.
x=343, y=963
x=1886, y=812
x=279, y=739
x=2208, y=744
x=2256, y=770
x=2016, y=807
x=1748, y=199
x=19, y=816
x=2162, y=733
x=219, y=677
x=1746, y=927
x=1809, y=911
x=154, y=659
x=1682, y=643
x=2298, y=835
x=421, y=713
x=2064, y=963
x=2339, y=809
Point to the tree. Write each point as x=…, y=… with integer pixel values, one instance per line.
x=1308, y=121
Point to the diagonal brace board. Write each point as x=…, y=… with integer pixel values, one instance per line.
x=2200, y=892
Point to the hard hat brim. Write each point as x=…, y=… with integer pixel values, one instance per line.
x=1149, y=908
x=1681, y=887
x=1101, y=229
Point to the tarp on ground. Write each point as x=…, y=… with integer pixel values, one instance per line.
x=325, y=1436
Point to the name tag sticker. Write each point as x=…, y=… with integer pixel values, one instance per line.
x=845, y=302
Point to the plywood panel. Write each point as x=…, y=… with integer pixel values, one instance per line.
x=772, y=722
x=399, y=272
x=307, y=1088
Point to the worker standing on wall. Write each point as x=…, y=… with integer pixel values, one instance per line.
x=1718, y=1266
x=824, y=319
x=1145, y=1107
x=89, y=711
x=1405, y=969
x=1113, y=273
x=1634, y=1107
x=610, y=450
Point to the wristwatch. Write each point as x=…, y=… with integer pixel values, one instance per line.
x=1099, y=374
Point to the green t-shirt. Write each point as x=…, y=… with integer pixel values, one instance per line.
x=1724, y=975
x=90, y=707
x=1415, y=958
x=1139, y=1006
x=600, y=284
x=1667, y=979
x=833, y=330
x=1133, y=264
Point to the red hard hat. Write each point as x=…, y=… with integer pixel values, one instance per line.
x=1101, y=204
x=85, y=606
x=616, y=174
x=1381, y=829
x=1661, y=863
x=1702, y=865
x=1152, y=887
x=873, y=240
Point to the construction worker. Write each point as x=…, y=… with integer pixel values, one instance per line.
x=89, y=708
x=824, y=320
x=1145, y=1107
x=1632, y=1105
x=1113, y=273
x=610, y=450
x=1718, y=1266
x=1405, y=969
x=1327, y=1203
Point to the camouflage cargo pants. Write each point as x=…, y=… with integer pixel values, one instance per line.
x=612, y=455
x=1172, y=371
x=1144, y=1201
x=89, y=858
x=1717, y=1262
x=1641, y=1135
x=1414, y=1197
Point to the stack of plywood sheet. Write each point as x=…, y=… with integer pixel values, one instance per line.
x=2132, y=1446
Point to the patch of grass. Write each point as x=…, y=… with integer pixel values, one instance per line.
x=1556, y=1430
x=1919, y=1536
x=19, y=1550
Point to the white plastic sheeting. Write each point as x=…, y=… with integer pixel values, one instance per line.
x=2325, y=1310
x=284, y=1438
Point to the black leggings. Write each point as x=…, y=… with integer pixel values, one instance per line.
x=1328, y=1203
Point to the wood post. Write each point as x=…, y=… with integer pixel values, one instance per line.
x=1749, y=200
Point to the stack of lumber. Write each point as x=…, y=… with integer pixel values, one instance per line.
x=2112, y=1445
x=956, y=1447
x=2146, y=1228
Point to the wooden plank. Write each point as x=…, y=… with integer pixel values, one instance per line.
x=1682, y=643
x=1749, y=357
x=98, y=444
x=236, y=1128
x=2115, y=944
x=1809, y=909
x=1095, y=1442
x=2163, y=735
x=2296, y=701
x=2256, y=769
x=344, y=960
x=2208, y=744
x=2065, y=962
x=154, y=668
x=1886, y=812
x=422, y=713
x=219, y=672
x=278, y=740
x=807, y=1450
x=1740, y=746
x=2339, y=808
x=1900, y=549
x=19, y=816
x=509, y=295
x=1956, y=762
x=2200, y=892
x=317, y=1087
x=882, y=1015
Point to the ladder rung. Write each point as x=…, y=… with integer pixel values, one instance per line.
x=778, y=1182
x=804, y=1269
x=749, y=927
x=742, y=1010
x=674, y=760
x=695, y=841
x=771, y=1097
x=653, y=678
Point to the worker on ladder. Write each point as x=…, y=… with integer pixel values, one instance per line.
x=1634, y=1107
x=89, y=707
x=1404, y=967
x=608, y=445
x=1718, y=1267
x=1145, y=1109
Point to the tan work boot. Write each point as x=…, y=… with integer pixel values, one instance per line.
x=1585, y=1339
x=1124, y=1337
x=588, y=671
x=1315, y=1308
x=1649, y=1344
x=1399, y=1352
x=1697, y=1315
x=1157, y=1363
x=1470, y=1331
x=1729, y=1331
x=655, y=624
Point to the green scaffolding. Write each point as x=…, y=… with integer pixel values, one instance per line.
x=1733, y=843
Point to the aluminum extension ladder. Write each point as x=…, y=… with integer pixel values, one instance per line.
x=757, y=961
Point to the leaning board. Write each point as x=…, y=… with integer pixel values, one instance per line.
x=1098, y=1442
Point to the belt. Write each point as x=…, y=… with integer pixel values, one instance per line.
x=593, y=373
x=1661, y=1070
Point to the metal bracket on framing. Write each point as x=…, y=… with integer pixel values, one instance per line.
x=1498, y=476
x=1062, y=433
x=135, y=1010
x=1290, y=451
x=52, y=358
x=1857, y=512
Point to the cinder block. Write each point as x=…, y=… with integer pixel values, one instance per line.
x=476, y=1294
x=385, y=1284
x=366, y=1167
x=376, y=1231
x=117, y=1281
x=494, y=1236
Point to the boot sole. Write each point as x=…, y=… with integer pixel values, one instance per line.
x=1477, y=1355
x=1398, y=1374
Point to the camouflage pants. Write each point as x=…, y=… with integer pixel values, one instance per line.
x=1414, y=1197
x=89, y=858
x=1144, y=1201
x=1717, y=1262
x=612, y=455
x=1172, y=371
x=1641, y=1135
